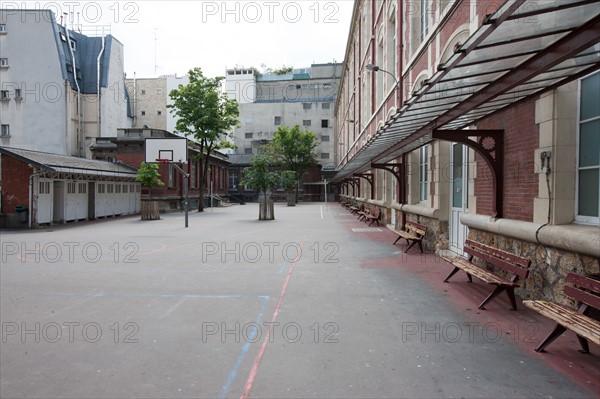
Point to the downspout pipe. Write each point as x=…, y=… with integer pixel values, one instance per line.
x=98, y=76
x=79, y=133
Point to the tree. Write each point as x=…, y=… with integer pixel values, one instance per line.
x=289, y=183
x=148, y=176
x=206, y=114
x=261, y=177
x=294, y=150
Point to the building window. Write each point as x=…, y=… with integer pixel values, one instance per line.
x=248, y=151
x=324, y=123
x=249, y=135
x=101, y=188
x=143, y=92
x=423, y=173
x=306, y=122
x=278, y=120
x=117, y=189
x=44, y=187
x=73, y=45
x=110, y=188
x=424, y=19
x=143, y=113
x=307, y=105
x=324, y=155
x=5, y=130
x=326, y=105
x=325, y=138
x=4, y=95
x=3, y=62
x=2, y=28
x=588, y=167
x=82, y=188
x=158, y=112
x=18, y=94
x=232, y=181
x=71, y=188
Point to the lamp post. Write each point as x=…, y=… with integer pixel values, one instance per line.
x=375, y=68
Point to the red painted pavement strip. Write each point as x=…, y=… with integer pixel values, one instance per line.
x=263, y=347
x=562, y=355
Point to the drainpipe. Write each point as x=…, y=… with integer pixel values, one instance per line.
x=31, y=187
x=134, y=101
x=98, y=75
x=79, y=133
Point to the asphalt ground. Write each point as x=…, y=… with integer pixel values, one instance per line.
x=311, y=305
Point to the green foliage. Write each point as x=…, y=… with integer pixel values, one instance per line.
x=260, y=175
x=206, y=115
x=288, y=180
x=294, y=149
x=284, y=70
x=204, y=111
x=148, y=175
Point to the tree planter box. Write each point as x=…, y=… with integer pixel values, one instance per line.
x=150, y=210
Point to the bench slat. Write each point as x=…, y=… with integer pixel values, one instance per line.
x=568, y=318
x=499, y=253
x=584, y=282
x=582, y=296
x=501, y=263
x=482, y=274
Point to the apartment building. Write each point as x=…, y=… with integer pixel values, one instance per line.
x=67, y=88
x=304, y=97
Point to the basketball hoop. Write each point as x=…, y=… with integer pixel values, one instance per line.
x=162, y=160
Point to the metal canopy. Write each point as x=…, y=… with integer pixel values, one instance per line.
x=517, y=53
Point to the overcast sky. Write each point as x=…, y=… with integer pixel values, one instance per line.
x=214, y=35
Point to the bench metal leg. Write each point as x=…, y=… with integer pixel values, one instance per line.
x=585, y=347
x=498, y=290
x=510, y=291
x=399, y=237
x=452, y=273
x=557, y=332
x=469, y=277
x=411, y=245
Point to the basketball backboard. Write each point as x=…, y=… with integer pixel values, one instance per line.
x=172, y=150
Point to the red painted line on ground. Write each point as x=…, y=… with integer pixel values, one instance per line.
x=263, y=347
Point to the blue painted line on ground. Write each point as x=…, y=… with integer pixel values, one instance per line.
x=113, y=295
x=238, y=362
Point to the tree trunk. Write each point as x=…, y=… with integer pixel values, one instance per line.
x=150, y=210
x=291, y=199
x=266, y=208
x=202, y=173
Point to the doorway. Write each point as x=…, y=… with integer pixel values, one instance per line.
x=458, y=196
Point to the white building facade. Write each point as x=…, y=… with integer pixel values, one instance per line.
x=66, y=88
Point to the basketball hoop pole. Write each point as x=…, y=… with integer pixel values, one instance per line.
x=186, y=177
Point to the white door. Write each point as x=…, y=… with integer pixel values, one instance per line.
x=44, y=202
x=458, y=196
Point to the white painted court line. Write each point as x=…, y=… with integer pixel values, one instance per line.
x=321, y=207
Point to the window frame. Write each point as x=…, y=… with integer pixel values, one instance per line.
x=424, y=174
x=583, y=219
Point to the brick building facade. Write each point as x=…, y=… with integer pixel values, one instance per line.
x=488, y=115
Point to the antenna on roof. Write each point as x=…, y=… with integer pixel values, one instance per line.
x=155, y=51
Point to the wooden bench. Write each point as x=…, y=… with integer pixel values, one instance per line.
x=373, y=217
x=370, y=216
x=356, y=209
x=413, y=233
x=516, y=267
x=587, y=292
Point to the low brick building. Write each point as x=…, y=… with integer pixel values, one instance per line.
x=128, y=148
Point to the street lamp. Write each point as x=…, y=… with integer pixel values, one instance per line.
x=375, y=68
